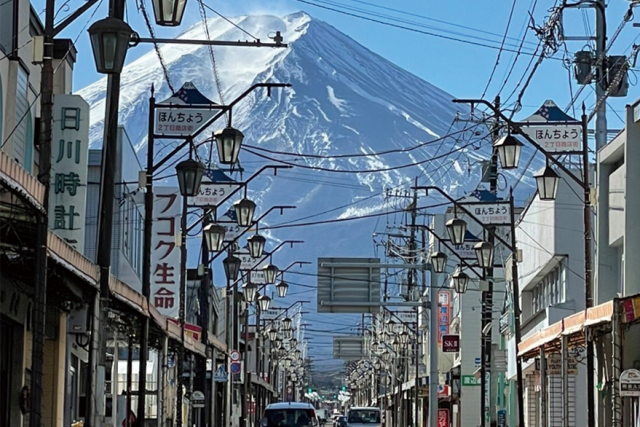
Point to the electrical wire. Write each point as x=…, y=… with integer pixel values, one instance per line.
x=504, y=38
x=214, y=64
x=142, y=8
x=230, y=22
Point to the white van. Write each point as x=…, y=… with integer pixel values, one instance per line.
x=362, y=416
x=290, y=414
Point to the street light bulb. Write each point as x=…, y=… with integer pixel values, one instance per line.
x=169, y=13
x=282, y=289
x=439, y=261
x=245, y=210
x=228, y=141
x=110, y=39
x=547, y=181
x=256, y=245
x=484, y=254
x=287, y=363
x=404, y=337
x=214, y=236
x=249, y=290
x=273, y=334
x=270, y=272
x=231, y=266
x=189, y=173
x=265, y=302
x=509, y=149
x=278, y=343
x=457, y=228
x=460, y=281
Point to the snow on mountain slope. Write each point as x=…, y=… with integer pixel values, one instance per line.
x=344, y=99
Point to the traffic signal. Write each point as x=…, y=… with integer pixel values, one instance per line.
x=309, y=390
x=343, y=388
x=323, y=396
x=335, y=396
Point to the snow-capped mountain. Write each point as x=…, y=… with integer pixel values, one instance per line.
x=344, y=99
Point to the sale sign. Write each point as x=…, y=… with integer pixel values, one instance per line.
x=443, y=418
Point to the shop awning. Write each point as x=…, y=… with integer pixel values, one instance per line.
x=570, y=326
x=21, y=182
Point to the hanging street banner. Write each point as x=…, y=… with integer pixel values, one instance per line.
x=165, y=255
x=444, y=304
x=176, y=121
x=553, y=129
x=69, y=167
x=214, y=188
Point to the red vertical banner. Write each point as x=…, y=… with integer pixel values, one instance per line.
x=443, y=418
x=444, y=312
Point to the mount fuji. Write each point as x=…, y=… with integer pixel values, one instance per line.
x=344, y=100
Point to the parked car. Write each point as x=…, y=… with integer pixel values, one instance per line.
x=341, y=421
x=290, y=414
x=364, y=417
x=334, y=419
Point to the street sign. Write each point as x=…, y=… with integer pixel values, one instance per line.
x=220, y=376
x=502, y=418
x=235, y=367
x=235, y=355
x=630, y=383
x=246, y=261
x=490, y=213
x=443, y=418
x=478, y=362
x=197, y=399
x=451, y=343
x=171, y=120
x=214, y=188
x=470, y=380
x=345, y=281
x=553, y=129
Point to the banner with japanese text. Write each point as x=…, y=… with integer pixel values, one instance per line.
x=69, y=163
x=444, y=306
x=165, y=253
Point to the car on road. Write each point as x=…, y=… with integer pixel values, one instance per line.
x=341, y=421
x=364, y=416
x=290, y=414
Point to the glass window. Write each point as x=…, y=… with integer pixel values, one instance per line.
x=22, y=108
x=1, y=107
x=28, y=145
x=7, y=12
x=290, y=417
x=363, y=416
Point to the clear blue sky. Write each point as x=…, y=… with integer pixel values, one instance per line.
x=461, y=69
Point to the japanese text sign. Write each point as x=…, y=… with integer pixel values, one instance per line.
x=443, y=418
x=69, y=160
x=556, y=138
x=630, y=383
x=450, y=343
x=181, y=121
x=490, y=213
x=215, y=188
x=444, y=306
x=165, y=255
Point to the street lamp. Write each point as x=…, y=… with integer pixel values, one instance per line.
x=547, y=181
x=460, y=281
x=249, y=290
x=273, y=334
x=189, y=174
x=374, y=347
x=509, y=149
x=484, y=254
x=287, y=363
x=214, y=235
x=228, y=141
x=256, y=245
x=282, y=289
x=264, y=302
x=278, y=343
x=286, y=323
x=287, y=334
x=109, y=41
x=377, y=365
x=231, y=266
x=404, y=337
x=294, y=377
x=245, y=210
x=270, y=272
x=169, y=13
x=396, y=345
x=439, y=261
x=297, y=354
x=456, y=228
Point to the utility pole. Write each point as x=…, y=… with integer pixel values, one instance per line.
x=44, y=176
x=182, y=309
x=487, y=297
x=601, y=82
x=204, y=321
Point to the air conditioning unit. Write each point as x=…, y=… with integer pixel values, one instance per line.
x=78, y=320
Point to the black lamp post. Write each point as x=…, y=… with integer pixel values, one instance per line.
x=231, y=266
x=456, y=228
x=189, y=174
x=404, y=337
x=228, y=141
x=249, y=290
x=439, y=261
x=245, y=210
x=282, y=289
x=286, y=324
x=460, y=281
x=273, y=334
x=214, y=235
x=109, y=41
x=256, y=245
x=169, y=13
x=270, y=273
x=547, y=181
x=484, y=254
x=265, y=302
x=509, y=149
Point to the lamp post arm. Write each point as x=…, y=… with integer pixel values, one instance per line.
x=444, y=242
x=516, y=127
x=267, y=255
x=285, y=310
x=473, y=217
x=228, y=196
x=229, y=245
x=300, y=263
